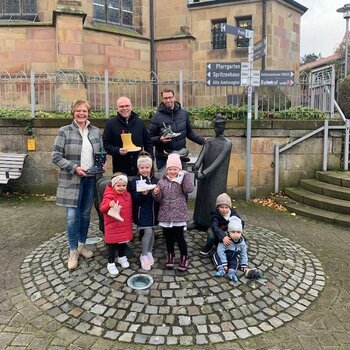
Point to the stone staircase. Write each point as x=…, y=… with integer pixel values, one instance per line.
x=326, y=198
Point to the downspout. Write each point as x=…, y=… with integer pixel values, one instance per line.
x=152, y=55
x=263, y=61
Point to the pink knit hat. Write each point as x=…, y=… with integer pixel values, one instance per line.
x=173, y=160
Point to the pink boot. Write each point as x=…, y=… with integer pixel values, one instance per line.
x=184, y=263
x=170, y=261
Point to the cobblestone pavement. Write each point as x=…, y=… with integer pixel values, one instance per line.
x=303, y=304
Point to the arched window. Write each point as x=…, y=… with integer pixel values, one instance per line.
x=119, y=12
x=18, y=10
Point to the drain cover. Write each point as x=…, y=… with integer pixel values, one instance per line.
x=140, y=281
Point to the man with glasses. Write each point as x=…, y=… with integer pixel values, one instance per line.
x=169, y=128
x=125, y=122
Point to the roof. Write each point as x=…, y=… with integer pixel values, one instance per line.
x=191, y=3
x=321, y=62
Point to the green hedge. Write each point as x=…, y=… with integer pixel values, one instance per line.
x=230, y=112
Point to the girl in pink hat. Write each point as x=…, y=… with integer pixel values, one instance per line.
x=172, y=192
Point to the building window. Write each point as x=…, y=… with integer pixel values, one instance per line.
x=246, y=23
x=18, y=10
x=119, y=12
x=218, y=37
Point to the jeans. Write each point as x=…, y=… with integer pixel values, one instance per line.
x=78, y=219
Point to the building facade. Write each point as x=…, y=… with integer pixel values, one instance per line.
x=139, y=36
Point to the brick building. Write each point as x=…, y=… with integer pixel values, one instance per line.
x=140, y=36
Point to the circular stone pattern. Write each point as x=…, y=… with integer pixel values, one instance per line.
x=192, y=308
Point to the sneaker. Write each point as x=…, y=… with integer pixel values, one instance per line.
x=85, y=252
x=150, y=258
x=112, y=269
x=73, y=259
x=206, y=250
x=123, y=261
x=145, y=264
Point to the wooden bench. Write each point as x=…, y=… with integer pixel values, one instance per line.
x=11, y=166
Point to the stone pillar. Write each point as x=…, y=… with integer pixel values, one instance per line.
x=68, y=19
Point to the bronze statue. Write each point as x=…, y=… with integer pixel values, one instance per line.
x=211, y=170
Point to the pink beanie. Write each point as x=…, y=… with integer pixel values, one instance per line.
x=173, y=160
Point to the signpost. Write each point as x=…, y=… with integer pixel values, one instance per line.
x=242, y=74
x=250, y=35
x=223, y=74
x=276, y=77
x=260, y=49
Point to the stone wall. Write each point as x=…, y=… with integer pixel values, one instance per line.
x=40, y=175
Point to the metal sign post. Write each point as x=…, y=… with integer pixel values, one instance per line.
x=250, y=35
x=249, y=117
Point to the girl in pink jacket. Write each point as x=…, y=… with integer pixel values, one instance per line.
x=171, y=192
x=116, y=207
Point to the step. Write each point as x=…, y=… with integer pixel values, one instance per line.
x=340, y=178
x=312, y=212
x=326, y=189
x=318, y=201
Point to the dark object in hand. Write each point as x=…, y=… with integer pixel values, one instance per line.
x=253, y=274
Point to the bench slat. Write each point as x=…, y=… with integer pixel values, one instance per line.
x=11, y=166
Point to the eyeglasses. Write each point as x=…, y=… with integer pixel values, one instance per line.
x=168, y=98
x=124, y=106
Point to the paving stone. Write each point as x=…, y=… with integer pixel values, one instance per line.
x=181, y=310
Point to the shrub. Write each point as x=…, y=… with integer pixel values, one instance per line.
x=343, y=97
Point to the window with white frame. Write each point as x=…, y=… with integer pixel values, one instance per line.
x=118, y=12
x=18, y=10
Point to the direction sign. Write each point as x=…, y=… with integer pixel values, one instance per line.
x=255, y=80
x=247, y=33
x=259, y=49
x=223, y=74
x=276, y=77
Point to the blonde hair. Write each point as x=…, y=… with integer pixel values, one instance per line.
x=77, y=102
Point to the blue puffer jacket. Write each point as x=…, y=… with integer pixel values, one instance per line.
x=145, y=209
x=178, y=119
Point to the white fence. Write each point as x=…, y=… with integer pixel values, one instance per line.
x=55, y=91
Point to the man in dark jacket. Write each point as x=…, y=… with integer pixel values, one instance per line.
x=125, y=122
x=170, y=114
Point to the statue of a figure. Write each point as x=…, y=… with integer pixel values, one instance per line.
x=211, y=170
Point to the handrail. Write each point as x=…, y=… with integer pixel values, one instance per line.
x=285, y=146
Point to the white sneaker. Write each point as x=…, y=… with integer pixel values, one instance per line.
x=123, y=261
x=112, y=269
x=150, y=258
x=145, y=264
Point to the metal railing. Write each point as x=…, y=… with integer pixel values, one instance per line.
x=55, y=91
x=325, y=129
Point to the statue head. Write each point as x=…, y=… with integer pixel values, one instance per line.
x=219, y=124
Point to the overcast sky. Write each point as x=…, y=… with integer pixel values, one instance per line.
x=322, y=27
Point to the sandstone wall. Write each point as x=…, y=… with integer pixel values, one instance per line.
x=301, y=161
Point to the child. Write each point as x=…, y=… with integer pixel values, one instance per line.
x=171, y=192
x=219, y=222
x=232, y=251
x=144, y=207
x=117, y=225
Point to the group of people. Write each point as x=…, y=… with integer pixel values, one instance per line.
x=134, y=194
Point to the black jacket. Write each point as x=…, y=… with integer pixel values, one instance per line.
x=178, y=119
x=219, y=224
x=112, y=142
x=145, y=208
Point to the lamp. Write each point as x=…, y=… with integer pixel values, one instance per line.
x=346, y=14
